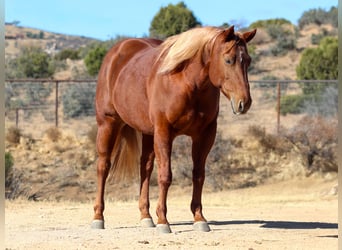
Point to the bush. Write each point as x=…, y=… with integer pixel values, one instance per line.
x=269, y=22
x=8, y=168
x=53, y=133
x=292, y=104
x=13, y=135
x=94, y=58
x=319, y=16
x=79, y=101
x=315, y=137
x=286, y=40
x=320, y=63
x=68, y=54
x=269, y=142
x=32, y=62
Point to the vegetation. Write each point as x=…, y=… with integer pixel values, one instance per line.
x=32, y=62
x=68, y=54
x=286, y=39
x=319, y=16
x=94, y=53
x=94, y=58
x=8, y=168
x=172, y=20
x=320, y=63
x=53, y=134
x=13, y=135
x=78, y=101
x=315, y=137
x=269, y=22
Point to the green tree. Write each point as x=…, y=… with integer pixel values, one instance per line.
x=94, y=57
x=320, y=63
x=172, y=20
x=316, y=64
x=32, y=62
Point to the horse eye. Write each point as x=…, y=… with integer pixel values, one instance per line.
x=230, y=61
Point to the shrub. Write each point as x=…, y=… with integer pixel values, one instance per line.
x=315, y=137
x=53, y=133
x=292, y=104
x=320, y=63
x=269, y=22
x=68, y=54
x=286, y=40
x=78, y=101
x=319, y=16
x=269, y=142
x=94, y=57
x=13, y=135
x=32, y=62
x=8, y=168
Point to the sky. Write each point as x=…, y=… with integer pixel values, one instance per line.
x=106, y=19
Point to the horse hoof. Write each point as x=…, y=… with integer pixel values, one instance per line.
x=201, y=226
x=147, y=222
x=163, y=228
x=97, y=224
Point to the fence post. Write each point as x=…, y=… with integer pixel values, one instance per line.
x=56, y=105
x=278, y=107
x=16, y=117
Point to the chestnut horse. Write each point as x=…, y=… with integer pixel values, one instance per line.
x=150, y=91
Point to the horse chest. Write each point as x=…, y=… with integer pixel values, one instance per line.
x=194, y=119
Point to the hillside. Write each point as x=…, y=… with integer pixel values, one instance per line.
x=17, y=37
x=266, y=64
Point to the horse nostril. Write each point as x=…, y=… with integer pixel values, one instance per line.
x=241, y=106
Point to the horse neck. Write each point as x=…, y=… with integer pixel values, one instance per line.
x=198, y=74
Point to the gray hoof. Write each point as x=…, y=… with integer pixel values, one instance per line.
x=163, y=228
x=97, y=224
x=201, y=226
x=147, y=222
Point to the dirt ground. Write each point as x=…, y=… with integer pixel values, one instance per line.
x=297, y=214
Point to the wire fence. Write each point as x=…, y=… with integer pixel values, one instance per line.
x=35, y=105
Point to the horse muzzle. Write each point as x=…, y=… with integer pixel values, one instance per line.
x=240, y=106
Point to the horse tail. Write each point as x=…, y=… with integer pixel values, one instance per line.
x=126, y=154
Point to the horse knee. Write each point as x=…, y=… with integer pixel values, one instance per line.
x=165, y=179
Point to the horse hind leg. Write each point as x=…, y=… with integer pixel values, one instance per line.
x=107, y=131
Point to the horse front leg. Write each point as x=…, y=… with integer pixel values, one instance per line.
x=162, y=149
x=146, y=168
x=200, y=149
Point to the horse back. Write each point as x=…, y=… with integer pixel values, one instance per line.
x=118, y=56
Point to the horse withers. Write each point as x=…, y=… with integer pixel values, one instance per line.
x=150, y=91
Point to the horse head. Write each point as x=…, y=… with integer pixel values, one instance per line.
x=228, y=65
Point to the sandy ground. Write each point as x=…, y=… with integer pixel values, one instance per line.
x=298, y=214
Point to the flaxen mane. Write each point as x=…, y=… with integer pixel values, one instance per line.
x=184, y=46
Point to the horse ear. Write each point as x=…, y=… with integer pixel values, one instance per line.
x=249, y=35
x=229, y=33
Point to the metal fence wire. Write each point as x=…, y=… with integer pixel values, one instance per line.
x=36, y=105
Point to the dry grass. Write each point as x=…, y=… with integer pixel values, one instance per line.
x=13, y=135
